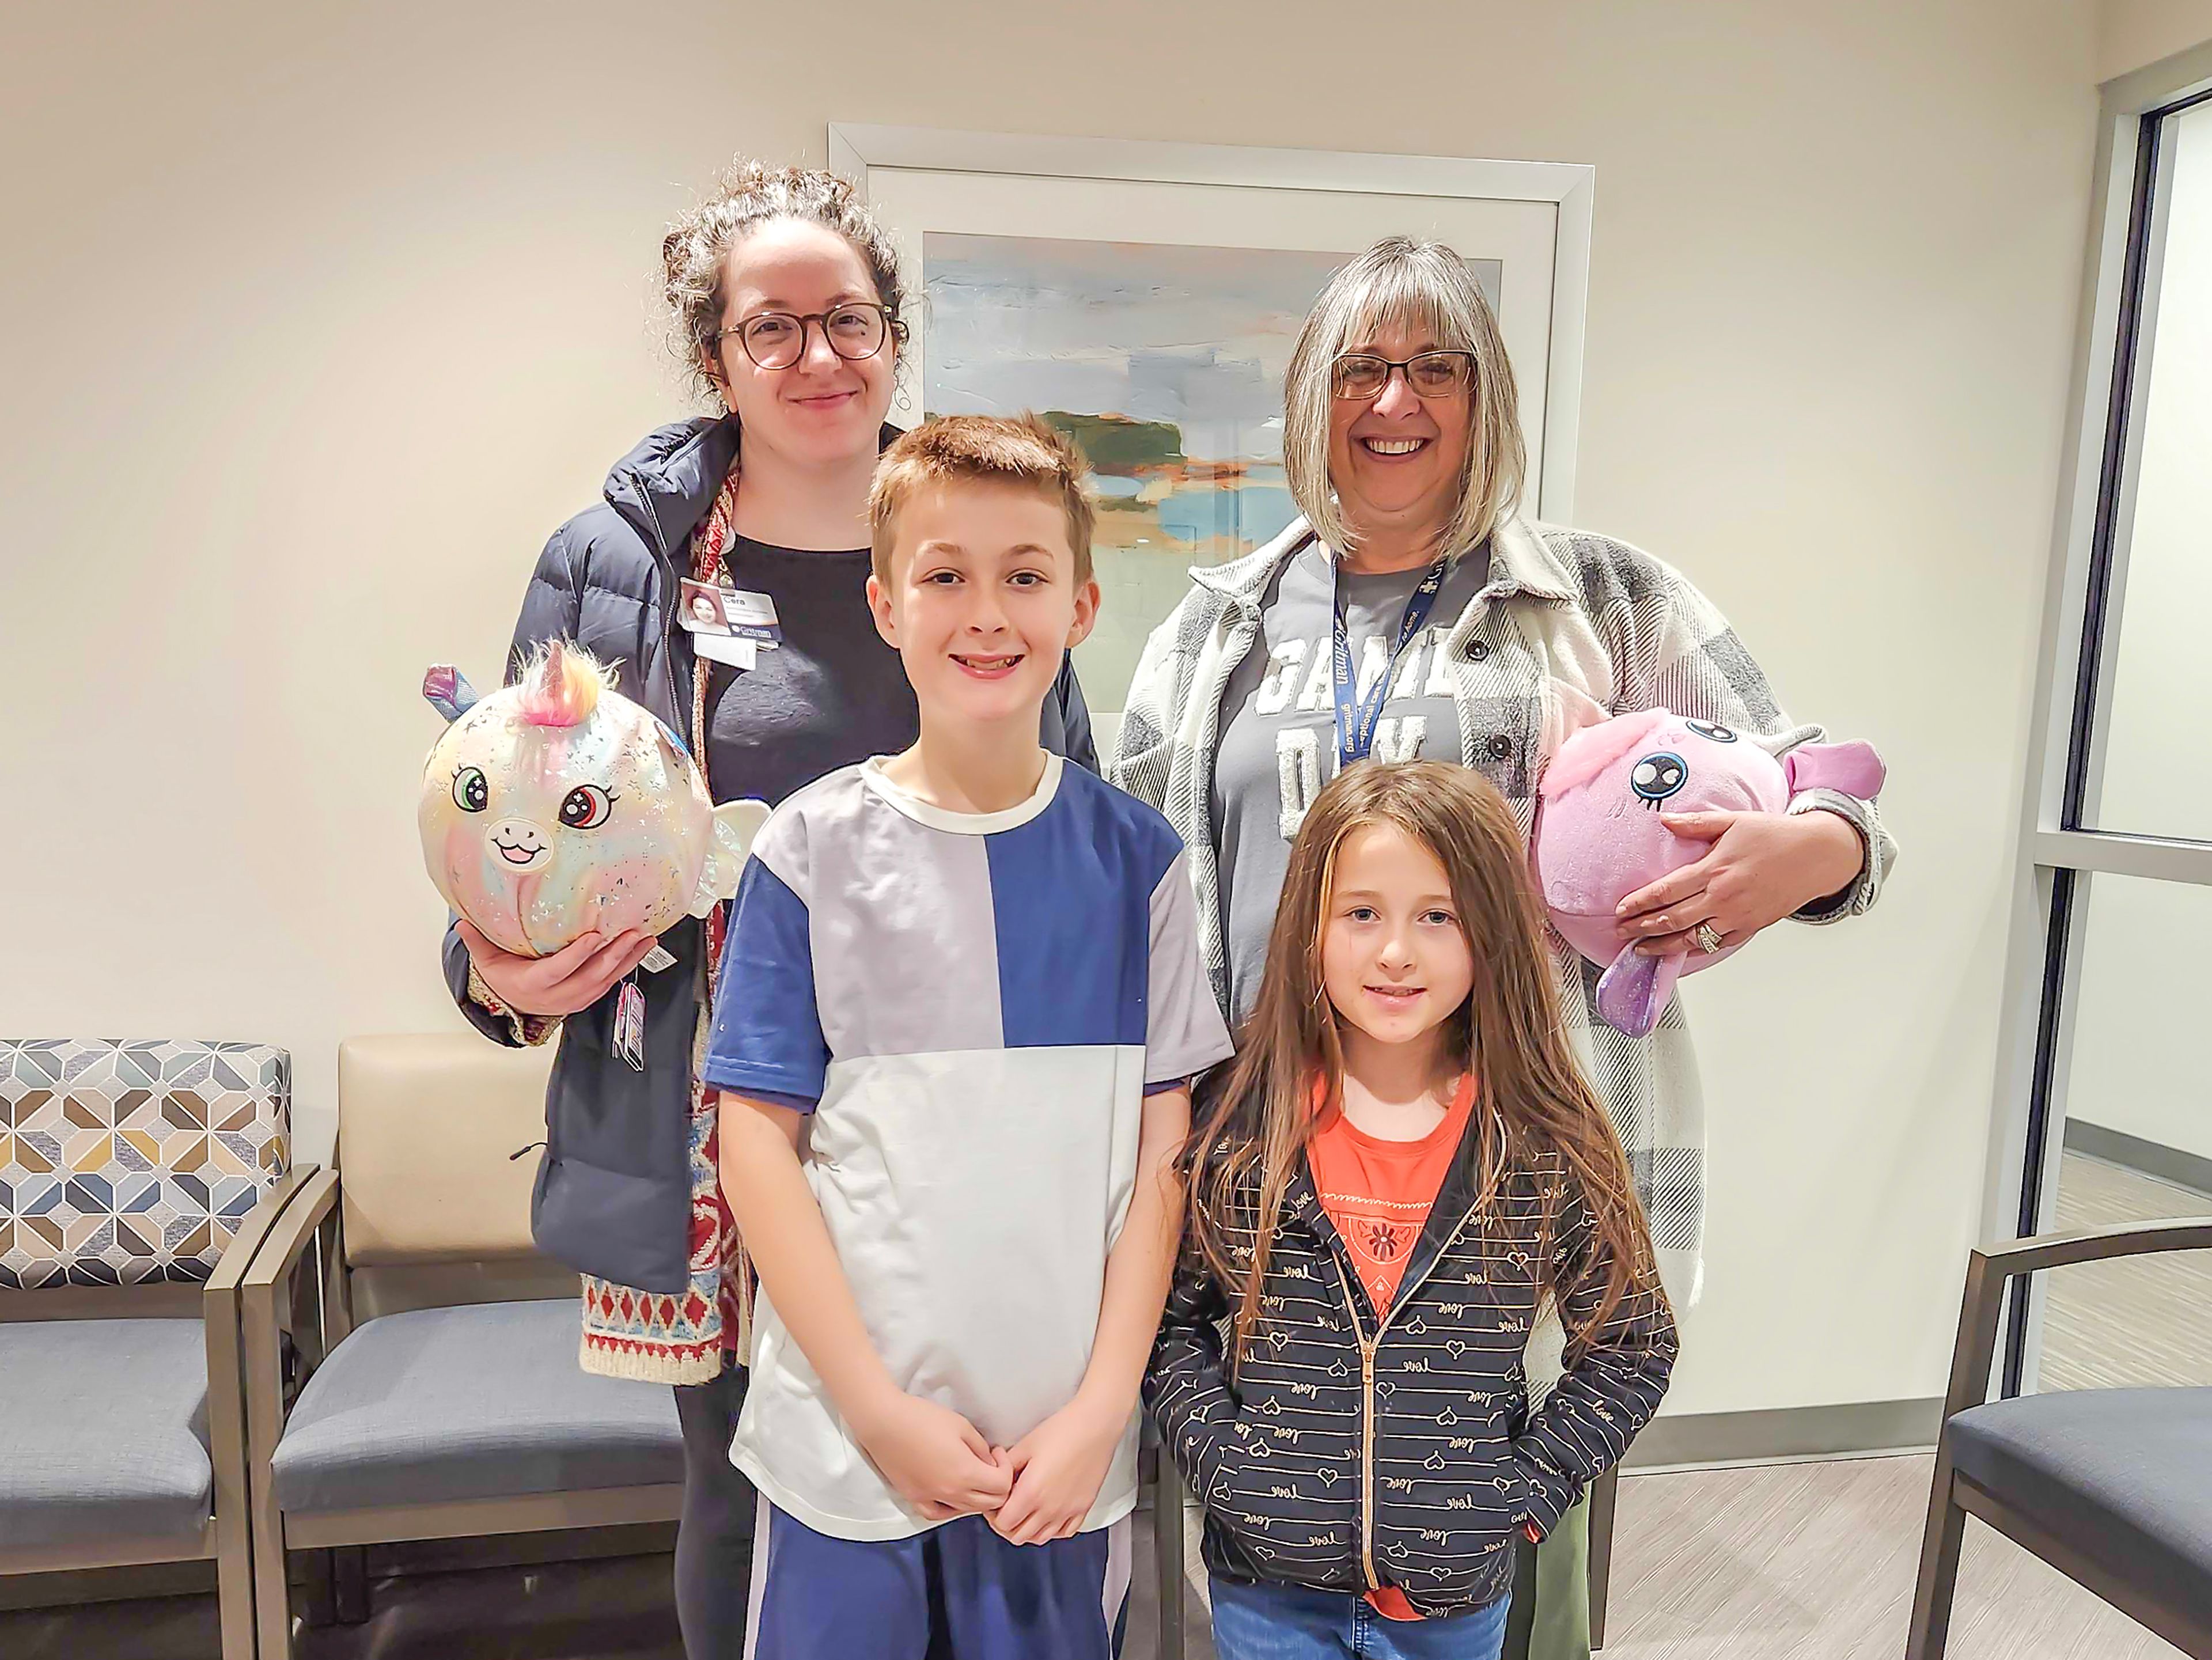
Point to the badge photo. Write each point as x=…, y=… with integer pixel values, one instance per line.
x=703, y=612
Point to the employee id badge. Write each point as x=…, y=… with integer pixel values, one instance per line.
x=709, y=613
x=727, y=625
x=751, y=615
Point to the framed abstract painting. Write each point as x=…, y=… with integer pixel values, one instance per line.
x=1144, y=297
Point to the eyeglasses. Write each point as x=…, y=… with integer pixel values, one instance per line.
x=1431, y=374
x=777, y=339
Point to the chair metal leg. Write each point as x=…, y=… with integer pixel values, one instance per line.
x=265, y=1299
x=233, y=1552
x=1603, y=1494
x=265, y=1424
x=235, y=1588
x=318, y=1604
x=1939, y=1567
x=349, y=1583
x=272, y=1592
x=1168, y=1547
x=1520, y=1612
x=221, y=1313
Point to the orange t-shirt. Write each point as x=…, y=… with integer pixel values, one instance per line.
x=1378, y=1193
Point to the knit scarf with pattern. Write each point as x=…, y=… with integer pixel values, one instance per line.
x=687, y=1337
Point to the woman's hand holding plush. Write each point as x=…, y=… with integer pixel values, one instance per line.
x=574, y=978
x=1758, y=868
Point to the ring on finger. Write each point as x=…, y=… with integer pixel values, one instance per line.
x=1709, y=939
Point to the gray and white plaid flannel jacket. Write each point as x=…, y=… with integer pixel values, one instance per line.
x=1563, y=612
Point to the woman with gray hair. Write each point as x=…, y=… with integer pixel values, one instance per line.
x=1413, y=611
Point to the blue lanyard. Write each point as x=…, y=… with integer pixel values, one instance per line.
x=1356, y=718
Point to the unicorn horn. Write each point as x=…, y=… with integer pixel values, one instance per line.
x=561, y=685
x=448, y=690
x=553, y=667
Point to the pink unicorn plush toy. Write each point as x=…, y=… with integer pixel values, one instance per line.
x=1599, y=835
x=556, y=805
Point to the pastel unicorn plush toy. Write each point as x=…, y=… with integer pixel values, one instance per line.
x=1599, y=835
x=556, y=805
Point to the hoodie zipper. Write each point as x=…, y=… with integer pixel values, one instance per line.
x=1367, y=1347
x=669, y=599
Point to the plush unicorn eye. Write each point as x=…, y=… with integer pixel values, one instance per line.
x=586, y=807
x=1719, y=733
x=1657, y=776
x=470, y=792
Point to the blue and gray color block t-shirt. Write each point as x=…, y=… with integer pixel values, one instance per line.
x=975, y=1006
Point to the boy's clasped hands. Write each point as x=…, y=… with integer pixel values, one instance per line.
x=1039, y=1489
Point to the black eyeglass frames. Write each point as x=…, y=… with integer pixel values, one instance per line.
x=777, y=339
x=1364, y=374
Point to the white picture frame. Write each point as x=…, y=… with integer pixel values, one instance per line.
x=1528, y=221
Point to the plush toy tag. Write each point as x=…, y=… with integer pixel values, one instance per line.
x=629, y=1025
x=657, y=959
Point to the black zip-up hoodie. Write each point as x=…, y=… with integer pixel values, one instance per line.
x=1349, y=1450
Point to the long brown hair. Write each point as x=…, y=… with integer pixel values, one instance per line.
x=1534, y=1107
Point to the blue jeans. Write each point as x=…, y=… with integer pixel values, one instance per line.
x=1290, y=1623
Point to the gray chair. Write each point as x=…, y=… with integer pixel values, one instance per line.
x=136, y=1181
x=2112, y=1487
x=437, y=1393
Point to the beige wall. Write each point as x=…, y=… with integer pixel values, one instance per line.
x=317, y=326
x=2133, y=32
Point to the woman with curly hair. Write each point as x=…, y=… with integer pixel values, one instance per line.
x=787, y=304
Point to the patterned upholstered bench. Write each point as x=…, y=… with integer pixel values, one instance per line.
x=136, y=1181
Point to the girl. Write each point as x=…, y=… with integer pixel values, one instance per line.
x=1400, y=1169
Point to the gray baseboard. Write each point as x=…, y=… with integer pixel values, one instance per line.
x=2184, y=1170
x=1854, y=1430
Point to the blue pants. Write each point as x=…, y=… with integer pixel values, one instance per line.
x=957, y=1592
x=1290, y=1623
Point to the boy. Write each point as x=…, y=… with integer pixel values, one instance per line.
x=965, y=980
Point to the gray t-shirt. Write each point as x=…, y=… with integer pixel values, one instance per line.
x=1278, y=725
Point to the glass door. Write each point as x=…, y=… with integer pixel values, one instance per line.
x=2106, y=1093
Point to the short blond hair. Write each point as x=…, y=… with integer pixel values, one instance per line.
x=1415, y=285
x=1022, y=451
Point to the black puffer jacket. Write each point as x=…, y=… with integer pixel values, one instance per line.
x=613, y=1196
x=1350, y=1452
